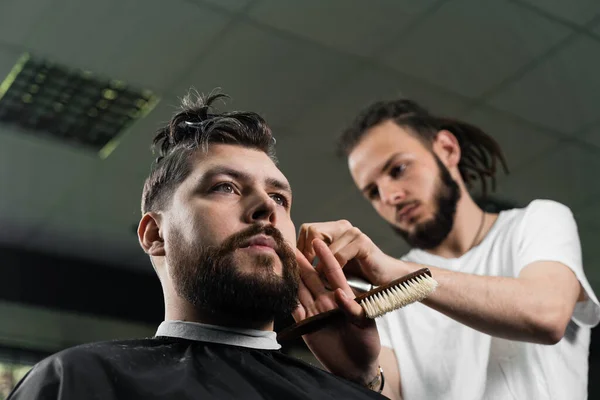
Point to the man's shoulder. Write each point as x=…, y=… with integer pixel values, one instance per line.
x=537, y=210
x=96, y=352
x=545, y=206
x=86, y=360
x=102, y=347
x=538, y=214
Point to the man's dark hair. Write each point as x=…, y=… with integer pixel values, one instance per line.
x=193, y=129
x=479, y=151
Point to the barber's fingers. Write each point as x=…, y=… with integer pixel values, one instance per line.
x=313, y=296
x=326, y=231
x=309, y=276
x=330, y=268
x=306, y=302
x=344, y=297
x=352, y=309
x=349, y=245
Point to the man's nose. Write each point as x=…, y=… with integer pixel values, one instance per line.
x=391, y=194
x=262, y=210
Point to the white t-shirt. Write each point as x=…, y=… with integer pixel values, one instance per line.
x=440, y=358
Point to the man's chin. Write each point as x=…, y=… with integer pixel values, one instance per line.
x=258, y=263
x=405, y=229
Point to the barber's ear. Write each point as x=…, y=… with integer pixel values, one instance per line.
x=446, y=147
x=149, y=235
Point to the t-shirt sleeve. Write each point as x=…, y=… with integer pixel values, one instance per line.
x=42, y=382
x=548, y=232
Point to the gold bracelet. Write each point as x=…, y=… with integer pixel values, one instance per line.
x=378, y=381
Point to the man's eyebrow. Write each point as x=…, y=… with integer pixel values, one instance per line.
x=385, y=166
x=279, y=184
x=243, y=176
x=223, y=170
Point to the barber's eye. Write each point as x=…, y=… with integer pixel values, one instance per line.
x=279, y=199
x=224, y=188
x=396, y=171
x=373, y=194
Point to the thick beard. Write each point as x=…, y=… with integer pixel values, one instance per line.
x=210, y=279
x=430, y=234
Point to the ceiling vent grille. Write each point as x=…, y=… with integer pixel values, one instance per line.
x=72, y=105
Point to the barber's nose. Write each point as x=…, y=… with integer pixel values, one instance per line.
x=391, y=194
x=262, y=210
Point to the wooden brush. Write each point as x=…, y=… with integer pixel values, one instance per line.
x=381, y=300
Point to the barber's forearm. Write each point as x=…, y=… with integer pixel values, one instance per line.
x=510, y=308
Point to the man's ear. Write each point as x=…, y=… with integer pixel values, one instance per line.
x=149, y=235
x=447, y=148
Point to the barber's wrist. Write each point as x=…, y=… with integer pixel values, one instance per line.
x=395, y=269
x=367, y=376
x=377, y=383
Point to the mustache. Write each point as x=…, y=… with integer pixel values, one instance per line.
x=400, y=206
x=240, y=238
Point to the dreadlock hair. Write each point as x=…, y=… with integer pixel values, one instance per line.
x=479, y=152
x=191, y=131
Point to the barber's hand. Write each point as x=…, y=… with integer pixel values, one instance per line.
x=353, y=250
x=350, y=347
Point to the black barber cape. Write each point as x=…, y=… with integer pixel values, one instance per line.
x=178, y=365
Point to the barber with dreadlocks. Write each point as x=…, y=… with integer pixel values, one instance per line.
x=511, y=317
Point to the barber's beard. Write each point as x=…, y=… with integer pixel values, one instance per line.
x=212, y=280
x=431, y=233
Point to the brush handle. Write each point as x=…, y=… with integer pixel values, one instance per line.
x=319, y=321
x=315, y=323
x=310, y=325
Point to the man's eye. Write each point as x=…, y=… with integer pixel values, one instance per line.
x=280, y=199
x=396, y=171
x=224, y=188
x=373, y=194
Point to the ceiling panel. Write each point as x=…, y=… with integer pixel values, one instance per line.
x=519, y=141
x=133, y=155
x=101, y=210
x=278, y=77
x=563, y=175
x=230, y=5
x=35, y=175
x=577, y=11
x=20, y=173
x=330, y=115
x=469, y=46
x=593, y=137
x=562, y=93
x=147, y=43
x=8, y=59
x=19, y=17
x=98, y=214
x=315, y=174
x=354, y=26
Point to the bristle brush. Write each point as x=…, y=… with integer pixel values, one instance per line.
x=376, y=302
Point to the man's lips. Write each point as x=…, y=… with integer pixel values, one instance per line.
x=406, y=211
x=260, y=242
